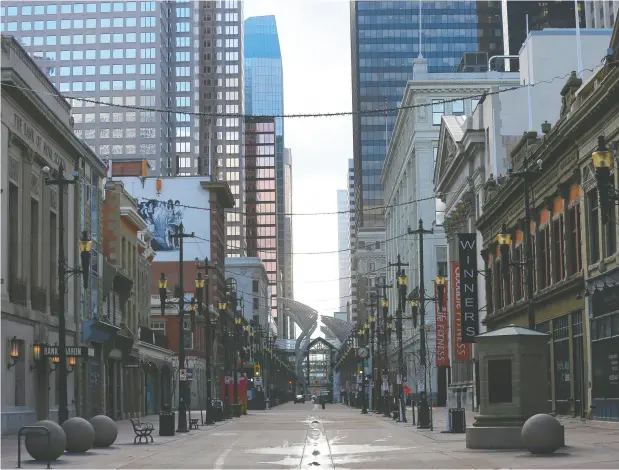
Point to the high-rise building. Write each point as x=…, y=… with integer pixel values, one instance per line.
x=601, y=14
x=352, y=243
x=448, y=34
x=264, y=95
x=342, y=246
x=288, y=276
x=184, y=56
x=382, y=56
x=260, y=196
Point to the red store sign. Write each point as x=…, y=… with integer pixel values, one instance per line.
x=442, y=336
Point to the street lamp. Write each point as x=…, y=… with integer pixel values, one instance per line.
x=64, y=271
x=602, y=162
x=504, y=239
x=13, y=351
x=402, y=287
x=237, y=327
x=202, y=288
x=440, y=290
x=162, y=283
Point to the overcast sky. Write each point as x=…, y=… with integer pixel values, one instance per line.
x=314, y=36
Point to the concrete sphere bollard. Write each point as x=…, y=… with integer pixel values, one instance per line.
x=542, y=434
x=36, y=442
x=106, y=430
x=80, y=434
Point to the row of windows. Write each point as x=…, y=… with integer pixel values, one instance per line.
x=118, y=133
x=119, y=100
x=79, y=39
x=105, y=7
x=128, y=116
x=129, y=69
x=89, y=54
x=431, y=33
x=107, y=85
x=128, y=149
x=88, y=23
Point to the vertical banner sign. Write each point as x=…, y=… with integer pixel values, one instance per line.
x=469, y=309
x=442, y=338
x=462, y=350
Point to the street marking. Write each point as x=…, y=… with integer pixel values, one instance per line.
x=219, y=463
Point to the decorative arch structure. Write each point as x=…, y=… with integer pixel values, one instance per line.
x=341, y=329
x=307, y=320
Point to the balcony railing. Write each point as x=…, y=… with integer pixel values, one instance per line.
x=18, y=291
x=38, y=298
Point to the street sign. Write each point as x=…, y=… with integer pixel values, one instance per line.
x=78, y=351
x=399, y=379
x=189, y=374
x=385, y=377
x=385, y=387
x=228, y=380
x=359, y=380
x=372, y=384
x=258, y=381
x=183, y=374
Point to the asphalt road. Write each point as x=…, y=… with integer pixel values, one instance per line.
x=307, y=437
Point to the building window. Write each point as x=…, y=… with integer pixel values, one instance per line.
x=558, y=265
x=609, y=233
x=575, y=252
x=545, y=262
x=441, y=261
x=254, y=286
x=438, y=109
x=457, y=108
x=518, y=273
x=594, y=226
x=439, y=212
x=498, y=292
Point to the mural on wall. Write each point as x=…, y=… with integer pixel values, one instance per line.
x=163, y=219
x=166, y=210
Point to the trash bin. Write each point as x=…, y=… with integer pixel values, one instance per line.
x=457, y=420
x=166, y=421
x=218, y=410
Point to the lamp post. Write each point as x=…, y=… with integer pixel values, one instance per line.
x=202, y=287
x=374, y=373
x=402, y=286
x=237, y=327
x=63, y=273
x=183, y=386
x=223, y=306
x=602, y=162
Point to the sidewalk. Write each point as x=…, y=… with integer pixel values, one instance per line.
x=123, y=450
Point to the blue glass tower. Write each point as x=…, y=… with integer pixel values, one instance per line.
x=264, y=95
x=385, y=41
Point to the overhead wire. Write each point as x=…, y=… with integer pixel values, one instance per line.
x=380, y=111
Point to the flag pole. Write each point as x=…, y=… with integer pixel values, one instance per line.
x=578, y=43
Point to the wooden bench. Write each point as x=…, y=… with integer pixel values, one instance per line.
x=193, y=423
x=142, y=431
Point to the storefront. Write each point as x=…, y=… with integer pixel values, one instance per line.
x=604, y=314
x=566, y=364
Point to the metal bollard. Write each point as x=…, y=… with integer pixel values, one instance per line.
x=33, y=428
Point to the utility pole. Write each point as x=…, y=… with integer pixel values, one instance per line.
x=385, y=339
x=424, y=417
x=373, y=373
x=183, y=388
x=202, y=285
x=401, y=305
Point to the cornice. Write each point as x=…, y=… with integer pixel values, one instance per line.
x=131, y=215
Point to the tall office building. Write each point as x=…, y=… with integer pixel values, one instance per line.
x=288, y=276
x=351, y=303
x=387, y=36
x=185, y=56
x=342, y=245
x=600, y=14
x=260, y=186
x=264, y=95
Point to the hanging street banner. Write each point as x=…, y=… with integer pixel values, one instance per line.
x=469, y=308
x=442, y=336
x=462, y=350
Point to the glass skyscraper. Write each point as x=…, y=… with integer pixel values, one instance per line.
x=385, y=41
x=264, y=96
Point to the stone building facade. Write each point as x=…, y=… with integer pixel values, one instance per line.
x=37, y=133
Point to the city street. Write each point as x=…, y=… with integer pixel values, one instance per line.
x=305, y=436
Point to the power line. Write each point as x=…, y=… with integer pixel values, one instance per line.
x=294, y=115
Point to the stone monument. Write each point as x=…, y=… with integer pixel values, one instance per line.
x=40, y=448
x=106, y=430
x=80, y=434
x=513, y=370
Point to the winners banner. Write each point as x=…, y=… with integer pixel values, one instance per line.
x=469, y=308
x=462, y=350
x=442, y=337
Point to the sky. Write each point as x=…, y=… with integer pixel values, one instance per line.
x=314, y=37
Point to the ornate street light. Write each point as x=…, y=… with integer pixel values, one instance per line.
x=440, y=290
x=162, y=283
x=13, y=351
x=85, y=248
x=602, y=162
x=504, y=240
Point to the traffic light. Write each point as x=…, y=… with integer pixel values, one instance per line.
x=359, y=370
x=256, y=370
